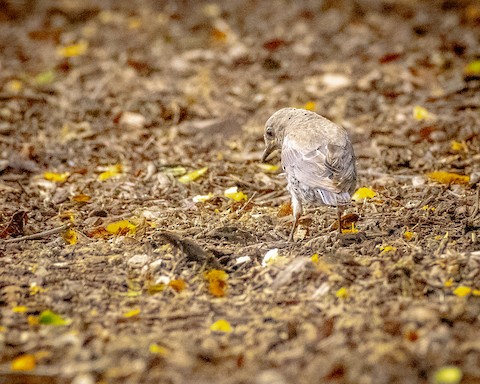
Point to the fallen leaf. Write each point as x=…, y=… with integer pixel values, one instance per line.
x=342, y=293
x=19, y=309
x=81, y=198
x=421, y=113
x=458, y=146
x=121, y=228
x=15, y=225
x=462, y=291
x=177, y=285
x=192, y=176
x=387, y=248
x=221, y=326
x=56, y=177
x=217, y=282
x=447, y=375
x=70, y=236
x=131, y=313
x=472, y=68
x=269, y=168
x=408, y=235
x=285, y=209
x=203, y=198
x=234, y=194
x=49, y=317
x=25, y=362
x=73, y=50
x=310, y=106
x=112, y=171
x=448, y=177
x=158, y=349
x=363, y=193
x=44, y=78
x=35, y=289
x=14, y=86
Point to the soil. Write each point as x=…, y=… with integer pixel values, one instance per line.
x=149, y=91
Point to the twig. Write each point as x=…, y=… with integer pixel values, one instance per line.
x=476, y=206
x=38, y=235
x=249, y=200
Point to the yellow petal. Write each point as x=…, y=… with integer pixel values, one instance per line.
x=221, y=326
x=408, y=235
x=314, y=258
x=73, y=50
x=462, y=291
x=363, y=193
x=56, y=177
x=25, y=362
x=448, y=177
x=35, y=289
x=177, y=285
x=112, y=171
x=232, y=193
x=192, y=176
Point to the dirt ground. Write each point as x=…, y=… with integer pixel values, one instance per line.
x=107, y=253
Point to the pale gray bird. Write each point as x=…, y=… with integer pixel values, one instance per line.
x=317, y=157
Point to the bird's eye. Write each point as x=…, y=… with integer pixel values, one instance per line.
x=269, y=132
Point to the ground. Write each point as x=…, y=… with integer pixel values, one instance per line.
x=111, y=263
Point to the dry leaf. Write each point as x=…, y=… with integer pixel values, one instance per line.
x=49, y=317
x=448, y=177
x=177, y=285
x=81, y=198
x=192, y=176
x=56, y=177
x=447, y=375
x=342, y=293
x=121, y=228
x=462, y=291
x=131, y=313
x=70, y=236
x=363, y=193
x=112, y=171
x=421, y=113
x=221, y=326
x=232, y=193
x=25, y=362
x=217, y=282
x=73, y=50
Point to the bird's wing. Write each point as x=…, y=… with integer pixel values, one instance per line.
x=329, y=166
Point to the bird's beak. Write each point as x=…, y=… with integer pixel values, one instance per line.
x=268, y=151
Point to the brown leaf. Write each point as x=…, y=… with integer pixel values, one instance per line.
x=15, y=226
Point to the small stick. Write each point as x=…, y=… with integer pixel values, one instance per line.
x=249, y=200
x=39, y=235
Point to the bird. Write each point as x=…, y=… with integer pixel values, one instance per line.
x=317, y=158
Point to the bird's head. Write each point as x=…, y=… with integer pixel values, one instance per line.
x=275, y=130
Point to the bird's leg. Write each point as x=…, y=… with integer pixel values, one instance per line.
x=297, y=212
x=340, y=209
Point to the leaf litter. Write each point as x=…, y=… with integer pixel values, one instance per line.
x=128, y=101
